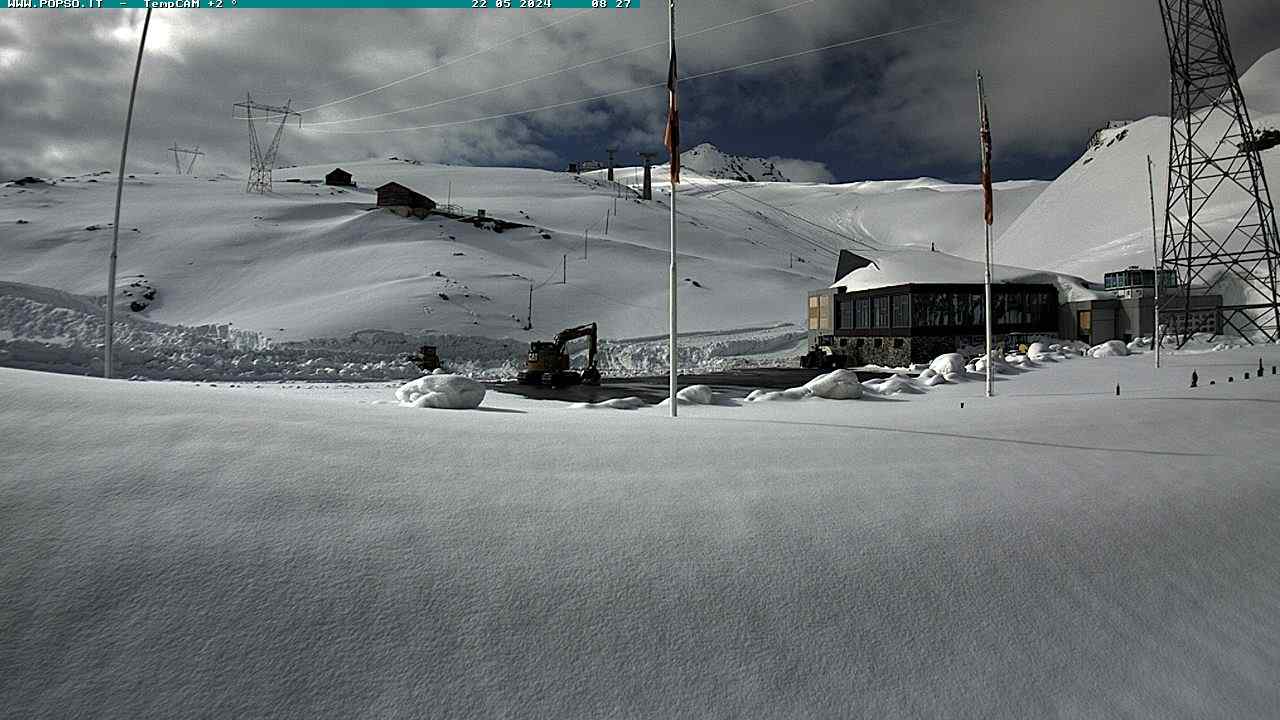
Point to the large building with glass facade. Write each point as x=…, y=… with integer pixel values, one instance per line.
x=900, y=324
x=903, y=324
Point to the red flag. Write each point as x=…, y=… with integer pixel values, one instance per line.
x=984, y=134
x=672, y=137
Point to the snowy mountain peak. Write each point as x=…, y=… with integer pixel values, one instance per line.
x=707, y=159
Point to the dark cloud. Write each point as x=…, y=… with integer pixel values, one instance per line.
x=895, y=106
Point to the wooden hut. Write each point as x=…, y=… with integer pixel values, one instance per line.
x=393, y=194
x=338, y=177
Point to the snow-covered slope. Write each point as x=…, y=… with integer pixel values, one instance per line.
x=925, y=212
x=313, y=261
x=1096, y=217
x=706, y=159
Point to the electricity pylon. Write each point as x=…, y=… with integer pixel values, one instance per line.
x=1214, y=154
x=261, y=164
x=177, y=163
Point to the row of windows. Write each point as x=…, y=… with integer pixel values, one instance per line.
x=944, y=310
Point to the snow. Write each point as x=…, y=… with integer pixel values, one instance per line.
x=837, y=385
x=708, y=160
x=176, y=550
x=947, y=364
x=903, y=266
x=441, y=391
x=1110, y=348
x=627, y=403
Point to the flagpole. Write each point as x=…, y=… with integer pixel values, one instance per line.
x=675, y=150
x=1158, y=262
x=985, y=137
x=115, y=227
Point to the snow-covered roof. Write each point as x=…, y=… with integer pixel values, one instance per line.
x=922, y=266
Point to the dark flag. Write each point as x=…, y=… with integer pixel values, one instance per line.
x=984, y=133
x=672, y=137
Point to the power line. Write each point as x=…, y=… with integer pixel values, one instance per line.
x=809, y=241
x=561, y=71
x=801, y=218
x=616, y=93
x=442, y=66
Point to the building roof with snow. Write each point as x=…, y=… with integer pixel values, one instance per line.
x=908, y=265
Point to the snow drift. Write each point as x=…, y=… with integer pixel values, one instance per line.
x=445, y=392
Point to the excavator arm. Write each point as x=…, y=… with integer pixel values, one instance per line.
x=587, y=331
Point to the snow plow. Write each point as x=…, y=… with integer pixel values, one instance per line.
x=549, y=365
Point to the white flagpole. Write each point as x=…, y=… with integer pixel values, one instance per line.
x=672, y=344
x=115, y=227
x=1158, y=262
x=987, y=283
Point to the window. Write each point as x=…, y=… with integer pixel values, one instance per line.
x=864, y=313
x=845, y=315
x=881, y=305
x=813, y=313
x=898, y=343
x=824, y=311
x=902, y=311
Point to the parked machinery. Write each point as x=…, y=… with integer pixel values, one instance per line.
x=427, y=359
x=548, y=363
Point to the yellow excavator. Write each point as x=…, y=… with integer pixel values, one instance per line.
x=548, y=363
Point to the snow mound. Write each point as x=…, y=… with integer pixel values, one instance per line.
x=893, y=386
x=446, y=392
x=626, y=403
x=838, y=385
x=998, y=364
x=697, y=395
x=799, y=393
x=1110, y=348
x=930, y=378
x=694, y=395
x=947, y=364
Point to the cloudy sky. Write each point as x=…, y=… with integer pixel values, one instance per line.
x=898, y=105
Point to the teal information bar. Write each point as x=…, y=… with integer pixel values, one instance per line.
x=479, y=5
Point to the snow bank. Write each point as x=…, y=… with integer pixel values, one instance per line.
x=1110, y=348
x=798, y=393
x=838, y=385
x=694, y=395
x=947, y=364
x=446, y=392
x=626, y=403
x=893, y=386
x=998, y=364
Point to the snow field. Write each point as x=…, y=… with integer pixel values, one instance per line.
x=560, y=564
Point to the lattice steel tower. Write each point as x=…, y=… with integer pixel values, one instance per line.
x=261, y=164
x=1214, y=155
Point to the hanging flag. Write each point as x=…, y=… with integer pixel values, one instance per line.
x=985, y=135
x=672, y=137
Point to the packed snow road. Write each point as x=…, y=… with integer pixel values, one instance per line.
x=172, y=550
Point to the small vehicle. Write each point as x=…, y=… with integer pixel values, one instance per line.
x=427, y=359
x=548, y=364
